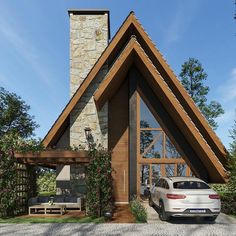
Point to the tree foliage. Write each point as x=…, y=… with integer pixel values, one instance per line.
x=14, y=117
x=16, y=128
x=46, y=181
x=146, y=136
x=193, y=77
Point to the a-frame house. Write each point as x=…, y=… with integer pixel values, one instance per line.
x=127, y=81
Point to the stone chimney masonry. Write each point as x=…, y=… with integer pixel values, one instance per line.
x=89, y=36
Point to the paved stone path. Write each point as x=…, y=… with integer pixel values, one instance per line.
x=159, y=228
x=224, y=226
x=154, y=218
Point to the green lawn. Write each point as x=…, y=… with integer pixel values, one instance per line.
x=69, y=219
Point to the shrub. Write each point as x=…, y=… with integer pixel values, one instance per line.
x=99, y=197
x=46, y=181
x=139, y=211
x=228, y=203
x=227, y=196
x=12, y=197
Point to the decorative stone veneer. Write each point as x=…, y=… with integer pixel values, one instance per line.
x=88, y=39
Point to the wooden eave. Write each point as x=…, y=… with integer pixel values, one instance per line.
x=131, y=26
x=53, y=157
x=133, y=53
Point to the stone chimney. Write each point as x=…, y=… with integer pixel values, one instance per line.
x=89, y=35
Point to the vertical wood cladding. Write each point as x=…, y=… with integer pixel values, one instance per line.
x=132, y=133
x=118, y=141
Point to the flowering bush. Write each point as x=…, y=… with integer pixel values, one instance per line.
x=99, y=198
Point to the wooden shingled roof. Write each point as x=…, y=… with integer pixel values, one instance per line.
x=124, y=47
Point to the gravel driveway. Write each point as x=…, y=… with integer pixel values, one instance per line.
x=224, y=226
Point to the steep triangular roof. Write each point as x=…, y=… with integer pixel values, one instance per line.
x=133, y=54
x=131, y=26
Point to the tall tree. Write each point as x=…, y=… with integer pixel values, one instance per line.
x=14, y=117
x=193, y=77
x=16, y=127
x=146, y=136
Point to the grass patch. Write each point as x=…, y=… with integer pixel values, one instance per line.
x=69, y=219
x=234, y=216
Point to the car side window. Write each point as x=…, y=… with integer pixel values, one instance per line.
x=165, y=184
x=159, y=183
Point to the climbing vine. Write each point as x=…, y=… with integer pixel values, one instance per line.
x=12, y=182
x=99, y=197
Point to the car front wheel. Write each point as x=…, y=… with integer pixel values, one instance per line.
x=162, y=213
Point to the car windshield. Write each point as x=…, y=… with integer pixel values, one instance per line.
x=190, y=185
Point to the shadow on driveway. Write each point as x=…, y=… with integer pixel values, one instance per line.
x=221, y=219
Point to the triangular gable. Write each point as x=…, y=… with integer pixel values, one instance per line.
x=129, y=27
x=134, y=54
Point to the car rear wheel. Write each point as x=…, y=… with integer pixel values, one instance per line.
x=162, y=213
x=151, y=204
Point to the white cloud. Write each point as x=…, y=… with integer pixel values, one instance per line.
x=181, y=20
x=228, y=90
x=2, y=80
x=227, y=117
x=25, y=49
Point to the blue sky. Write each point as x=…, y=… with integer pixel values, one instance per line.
x=34, y=47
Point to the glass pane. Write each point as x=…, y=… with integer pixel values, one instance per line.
x=190, y=185
x=191, y=174
x=170, y=169
x=171, y=151
x=156, y=173
x=181, y=169
x=146, y=139
x=146, y=118
x=144, y=180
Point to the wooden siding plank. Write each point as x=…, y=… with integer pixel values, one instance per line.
x=118, y=141
x=132, y=134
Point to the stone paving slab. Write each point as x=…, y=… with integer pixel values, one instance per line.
x=158, y=228
x=224, y=226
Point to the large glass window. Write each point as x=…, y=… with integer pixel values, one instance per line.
x=157, y=153
x=154, y=143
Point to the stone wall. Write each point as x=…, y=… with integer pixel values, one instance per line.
x=70, y=179
x=88, y=39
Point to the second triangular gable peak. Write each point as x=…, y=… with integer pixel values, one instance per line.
x=133, y=53
x=132, y=25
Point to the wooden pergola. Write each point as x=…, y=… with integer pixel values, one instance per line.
x=51, y=158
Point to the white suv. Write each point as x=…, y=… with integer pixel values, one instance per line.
x=184, y=196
